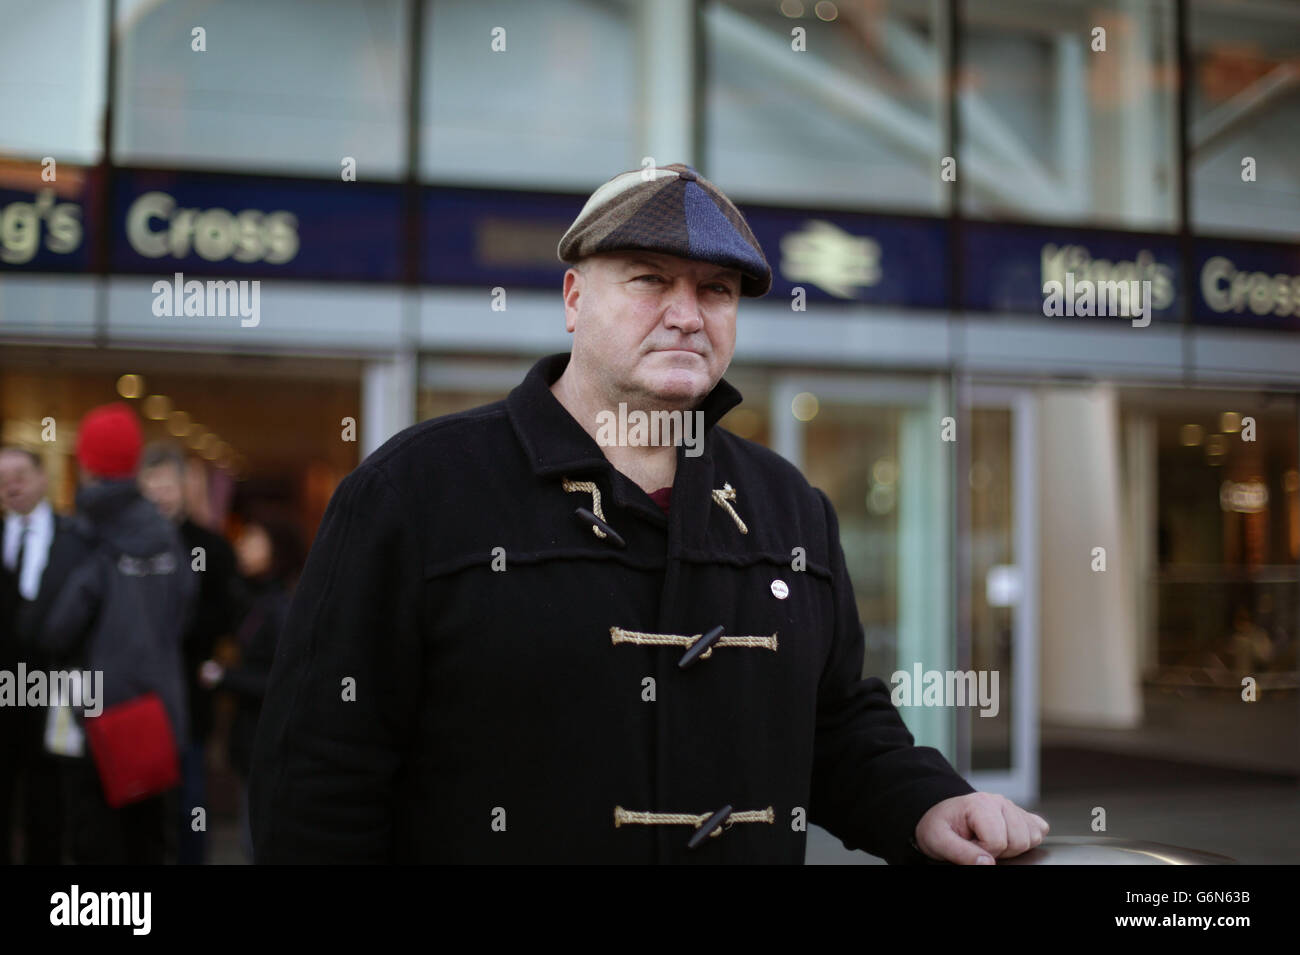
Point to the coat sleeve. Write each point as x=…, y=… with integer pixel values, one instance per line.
x=73, y=611
x=214, y=612
x=871, y=785
x=341, y=704
x=250, y=677
x=67, y=551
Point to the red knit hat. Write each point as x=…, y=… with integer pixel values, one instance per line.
x=109, y=440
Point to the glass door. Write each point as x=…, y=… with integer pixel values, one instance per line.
x=998, y=528
x=873, y=444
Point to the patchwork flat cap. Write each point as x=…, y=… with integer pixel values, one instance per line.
x=673, y=210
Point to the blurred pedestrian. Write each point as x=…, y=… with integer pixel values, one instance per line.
x=269, y=555
x=121, y=614
x=40, y=550
x=162, y=481
x=1250, y=646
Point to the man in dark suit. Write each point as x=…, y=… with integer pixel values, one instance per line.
x=40, y=549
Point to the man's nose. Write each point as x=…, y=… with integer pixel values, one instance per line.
x=683, y=308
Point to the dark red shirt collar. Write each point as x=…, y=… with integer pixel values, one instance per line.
x=663, y=497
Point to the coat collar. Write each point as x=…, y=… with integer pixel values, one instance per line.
x=555, y=442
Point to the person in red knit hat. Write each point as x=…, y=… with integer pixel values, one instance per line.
x=109, y=441
x=121, y=613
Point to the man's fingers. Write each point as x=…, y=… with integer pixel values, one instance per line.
x=948, y=845
x=988, y=825
x=983, y=826
x=1018, y=836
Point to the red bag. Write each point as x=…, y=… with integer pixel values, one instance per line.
x=134, y=749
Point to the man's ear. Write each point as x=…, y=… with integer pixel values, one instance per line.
x=573, y=279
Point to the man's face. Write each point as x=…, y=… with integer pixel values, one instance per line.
x=163, y=486
x=22, y=483
x=651, y=329
x=253, y=550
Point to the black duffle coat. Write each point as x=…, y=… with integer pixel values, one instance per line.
x=472, y=672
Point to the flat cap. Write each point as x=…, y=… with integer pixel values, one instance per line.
x=673, y=210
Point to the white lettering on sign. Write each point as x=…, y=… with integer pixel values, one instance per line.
x=23, y=223
x=1226, y=289
x=1057, y=261
x=155, y=227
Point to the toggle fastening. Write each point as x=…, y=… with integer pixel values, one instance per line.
x=707, y=824
x=619, y=635
x=723, y=497
x=710, y=827
x=598, y=526
x=595, y=518
x=699, y=648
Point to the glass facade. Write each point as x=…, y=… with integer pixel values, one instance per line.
x=1061, y=117
x=269, y=430
x=991, y=493
x=269, y=86
x=852, y=453
x=1245, y=118
x=533, y=94
x=53, y=106
x=1069, y=111
x=876, y=70
x=1226, y=575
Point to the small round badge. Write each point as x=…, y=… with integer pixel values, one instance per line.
x=779, y=590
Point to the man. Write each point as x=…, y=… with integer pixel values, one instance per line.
x=162, y=481
x=515, y=641
x=40, y=550
x=121, y=613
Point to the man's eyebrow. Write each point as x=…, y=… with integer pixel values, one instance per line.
x=637, y=262
x=640, y=262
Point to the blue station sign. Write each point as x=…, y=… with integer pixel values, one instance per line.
x=851, y=257
x=45, y=226
x=1248, y=284
x=289, y=228
x=1011, y=268
x=230, y=225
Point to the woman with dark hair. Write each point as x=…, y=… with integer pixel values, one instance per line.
x=268, y=552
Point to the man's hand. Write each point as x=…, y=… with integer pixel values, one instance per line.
x=977, y=828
